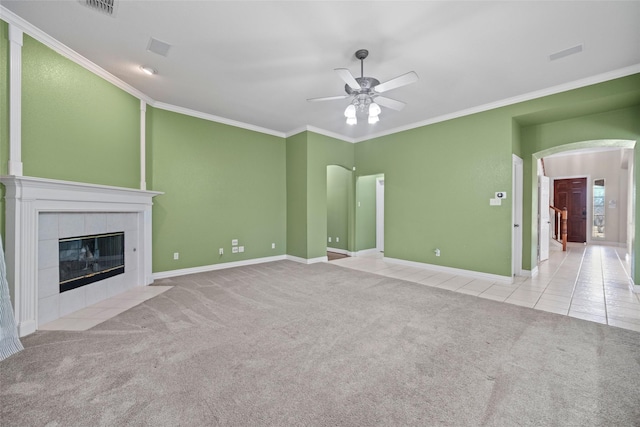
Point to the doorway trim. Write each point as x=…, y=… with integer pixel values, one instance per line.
x=380, y=214
x=516, y=214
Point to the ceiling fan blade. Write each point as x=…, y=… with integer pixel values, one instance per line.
x=348, y=78
x=405, y=79
x=328, y=98
x=389, y=103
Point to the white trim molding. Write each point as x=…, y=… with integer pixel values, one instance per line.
x=213, y=267
x=27, y=197
x=143, y=145
x=15, y=100
x=307, y=261
x=458, y=272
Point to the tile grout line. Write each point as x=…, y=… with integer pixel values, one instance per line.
x=573, y=291
x=556, y=272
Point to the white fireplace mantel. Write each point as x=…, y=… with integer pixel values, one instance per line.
x=27, y=197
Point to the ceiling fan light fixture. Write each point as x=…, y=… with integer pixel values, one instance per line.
x=374, y=109
x=373, y=119
x=350, y=111
x=352, y=121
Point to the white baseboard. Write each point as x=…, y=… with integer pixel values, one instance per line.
x=367, y=251
x=530, y=273
x=341, y=251
x=305, y=260
x=205, y=268
x=458, y=272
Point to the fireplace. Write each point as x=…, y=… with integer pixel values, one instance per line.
x=88, y=259
x=40, y=213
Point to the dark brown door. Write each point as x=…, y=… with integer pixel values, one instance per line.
x=572, y=194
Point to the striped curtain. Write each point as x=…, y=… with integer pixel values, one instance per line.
x=9, y=342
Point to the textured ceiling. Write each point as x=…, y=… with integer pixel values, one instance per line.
x=258, y=62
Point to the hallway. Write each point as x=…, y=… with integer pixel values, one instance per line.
x=587, y=282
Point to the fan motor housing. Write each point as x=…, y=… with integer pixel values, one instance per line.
x=366, y=85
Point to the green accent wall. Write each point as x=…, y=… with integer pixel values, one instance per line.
x=308, y=155
x=220, y=183
x=296, y=159
x=76, y=126
x=366, y=212
x=338, y=203
x=438, y=182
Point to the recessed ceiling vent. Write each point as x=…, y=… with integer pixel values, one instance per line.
x=108, y=7
x=566, y=52
x=159, y=47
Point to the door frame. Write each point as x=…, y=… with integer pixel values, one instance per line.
x=517, y=188
x=380, y=185
x=589, y=199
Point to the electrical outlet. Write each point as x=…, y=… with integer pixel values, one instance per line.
x=437, y=251
x=176, y=255
x=273, y=246
x=234, y=249
x=329, y=239
x=337, y=239
x=221, y=251
x=234, y=242
x=240, y=249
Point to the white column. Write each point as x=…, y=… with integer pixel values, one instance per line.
x=22, y=254
x=15, y=101
x=143, y=145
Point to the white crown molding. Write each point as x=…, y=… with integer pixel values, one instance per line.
x=213, y=118
x=456, y=271
x=320, y=132
x=576, y=84
x=67, y=52
x=212, y=267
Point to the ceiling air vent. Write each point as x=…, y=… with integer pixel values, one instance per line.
x=108, y=7
x=566, y=52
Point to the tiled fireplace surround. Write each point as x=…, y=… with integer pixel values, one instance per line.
x=41, y=211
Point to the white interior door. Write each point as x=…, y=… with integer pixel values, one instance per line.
x=543, y=215
x=380, y=214
x=516, y=237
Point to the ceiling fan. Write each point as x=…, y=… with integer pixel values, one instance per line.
x=366, y=91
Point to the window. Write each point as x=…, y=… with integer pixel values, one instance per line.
x=598, y=209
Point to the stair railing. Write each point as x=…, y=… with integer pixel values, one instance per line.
x=560, y=226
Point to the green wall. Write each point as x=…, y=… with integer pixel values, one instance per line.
x=366, y=212
x=220, y=183
x=296, y=159
x=76, y=126
x=438, y=182
x=338, y=203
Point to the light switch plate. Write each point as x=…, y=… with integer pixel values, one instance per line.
x=495, y=202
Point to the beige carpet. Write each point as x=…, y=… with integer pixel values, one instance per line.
x=290, y=344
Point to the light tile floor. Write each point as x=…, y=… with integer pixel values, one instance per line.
x=588, y=282
x=95, y=314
